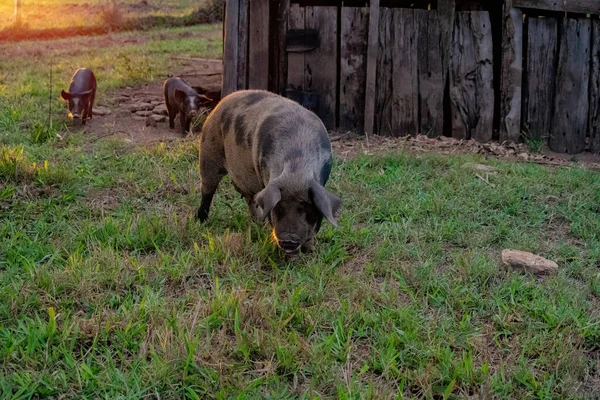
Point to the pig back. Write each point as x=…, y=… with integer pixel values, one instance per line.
x=264, y=134
x=82, y=81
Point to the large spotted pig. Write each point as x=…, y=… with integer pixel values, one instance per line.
x=278, y=155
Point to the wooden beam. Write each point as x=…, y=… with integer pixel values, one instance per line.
x=573, y=6
x=373, y=38
x=511, y=73
x=258, y=56
x=282, y=57
x=230, y=53
x=595, y=89
x=242, y=77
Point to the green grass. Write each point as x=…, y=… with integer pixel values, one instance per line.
x=44, y=14
x=110, y=289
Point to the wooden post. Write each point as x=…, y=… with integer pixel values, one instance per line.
x=371, y=66
x=295, y=72
x=354, y=34
x=538, y=96
x=258, y=56
x=281, y=54
x=512, y=73
x=231, y=50
x=472, y=75
x=18, y=7
x=446, y=20
x=571, y=101
x=242, y=77
x=595, y=89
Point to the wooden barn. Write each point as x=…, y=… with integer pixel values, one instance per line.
x=503, y=70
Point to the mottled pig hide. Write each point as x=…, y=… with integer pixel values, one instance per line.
x=278, y=156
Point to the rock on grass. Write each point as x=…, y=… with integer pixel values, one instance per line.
x=528, y=262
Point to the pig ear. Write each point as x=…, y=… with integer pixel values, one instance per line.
x=65, y=95
x=326, y=202
x=268, y=198
x=204, y=100
x=180, y=95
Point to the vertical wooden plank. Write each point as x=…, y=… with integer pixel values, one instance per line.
x=258, y=55
x=383, y=93
x=445, y=9
x=432, y=79
x=230, y=52
x=471, y=81
x=538, y=98
x=511, y=73
x=281, y=54
x=571, y=100
x=242, y=74
x=320, y=72
x=372, y=47
x=353, y=54
x=296, y=60
x=405, y=78
x=594, y=124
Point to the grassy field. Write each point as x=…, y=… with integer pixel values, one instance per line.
x=110, y=289
x=43, y=14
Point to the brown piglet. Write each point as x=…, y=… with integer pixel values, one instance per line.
x=181, y=99
x=81, y=94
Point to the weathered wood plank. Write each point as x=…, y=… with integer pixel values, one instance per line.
x=432, y=77
x=538, y=97
x=571, y=100
x=242, y=74
x=594, y=124
x=383, y=93
x=258, y=55
x=471, y=81
x=573, y=6
x=231, y=49
x=296, y=60
x=372, y=47
x=281, y=55
x=405, y=76
x=445, y=9
x=511, y=77
x=320, y=72
x=353, y=54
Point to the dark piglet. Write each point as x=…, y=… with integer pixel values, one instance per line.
x=278, y=156
x=81, y=94
x=181, y=99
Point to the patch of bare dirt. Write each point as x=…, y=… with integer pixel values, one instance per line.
x=348, y=146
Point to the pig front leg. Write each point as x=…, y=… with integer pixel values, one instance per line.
x=91, y=104
x=183, y=121
x=212, y=171
x=172, y=115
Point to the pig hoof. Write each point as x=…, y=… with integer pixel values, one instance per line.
x=201, y=215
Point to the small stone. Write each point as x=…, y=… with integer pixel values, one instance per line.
x=100, y=110
x=150, y=121
x=160, y=109
x=138, y=118
x=155, y=102
x=524, y=261
x=158, y=118
x=479, y=167
x=524, y=156
x=144, y=113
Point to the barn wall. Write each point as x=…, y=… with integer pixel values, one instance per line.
x=484, y=70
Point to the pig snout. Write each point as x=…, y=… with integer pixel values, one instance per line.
x=288, y=243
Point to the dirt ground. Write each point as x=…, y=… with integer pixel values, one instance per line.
x=121, y=122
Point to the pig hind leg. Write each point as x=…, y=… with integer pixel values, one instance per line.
x=212, y=171
x=90, y=105
x=172, y=113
